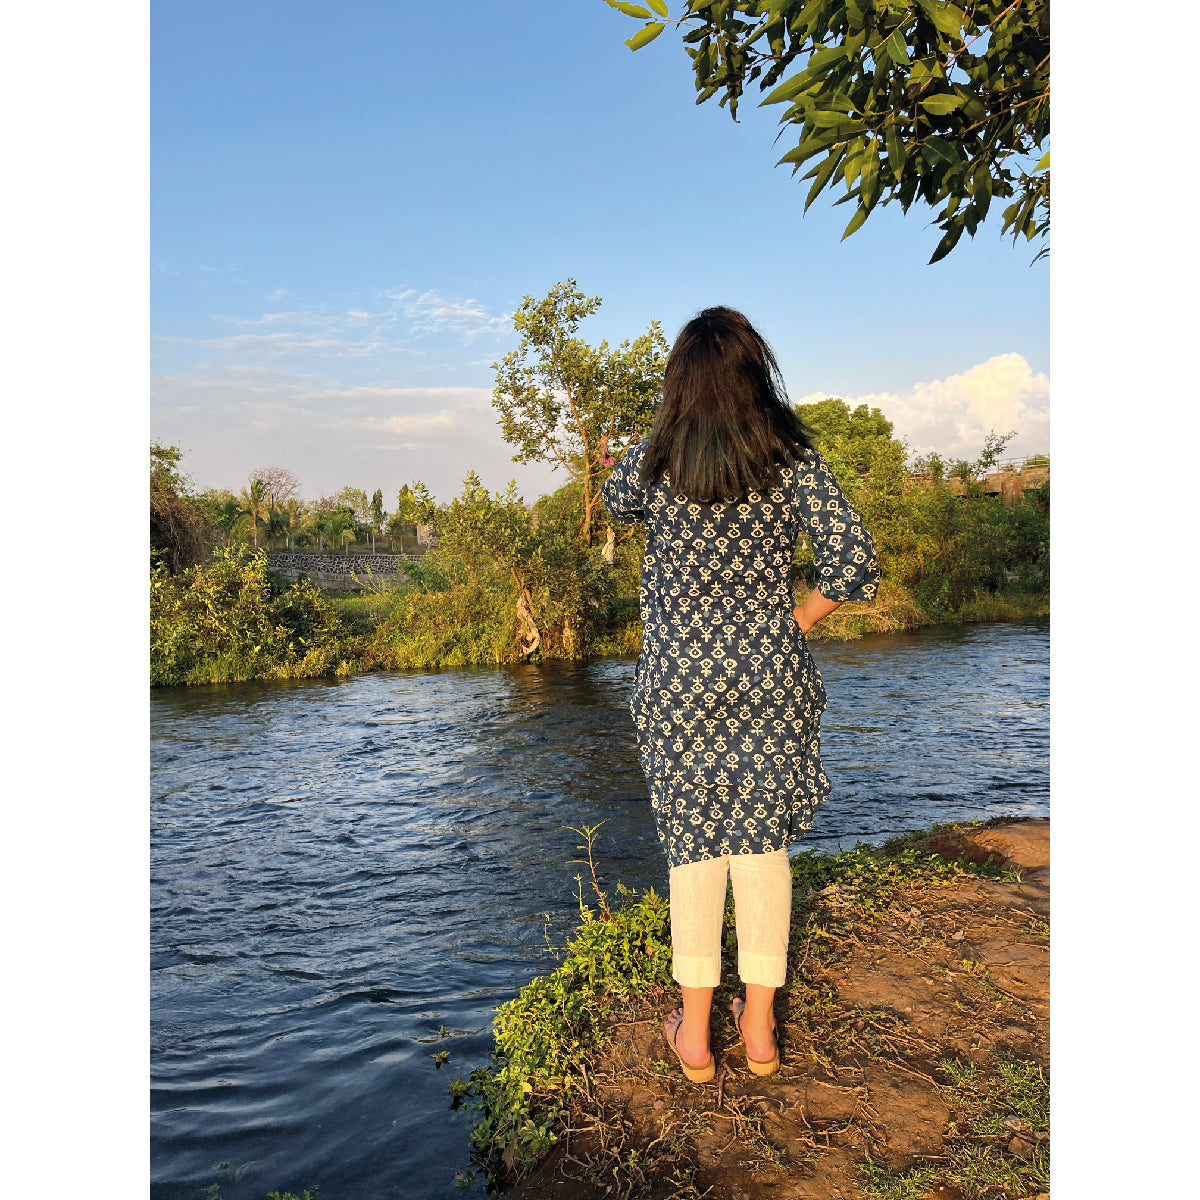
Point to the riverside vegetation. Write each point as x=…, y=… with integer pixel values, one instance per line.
x=913, y=1028
x=509, y=582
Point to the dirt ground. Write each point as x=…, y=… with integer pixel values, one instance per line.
x=955, y=972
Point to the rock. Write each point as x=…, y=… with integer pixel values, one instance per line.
x=1017, y=1124
x=1020, y=1147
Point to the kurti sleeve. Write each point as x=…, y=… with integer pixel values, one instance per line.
x=623, y=492
x=842, y=549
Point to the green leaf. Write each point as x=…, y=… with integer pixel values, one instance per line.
x=819, y=63
x=659, y=7
x=645, y=35
x=856, y=222
x=786, y=90
x=1043, y=163
x=941, y=104
x=897, y=51
x=947, y=243
x=870, y=177
x=808, y=147
x=821, y=174
x=940, y=148
x=946, y=18
x=981, y=189
x=857, y=13
x=895, y=149
x=630, y=10
x=824, y=118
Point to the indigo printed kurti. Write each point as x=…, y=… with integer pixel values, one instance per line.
x=727, y=700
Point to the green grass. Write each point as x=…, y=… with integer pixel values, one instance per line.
x=1004, y=606
x=977, y=1162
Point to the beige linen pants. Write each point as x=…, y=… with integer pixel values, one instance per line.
x=762, y=902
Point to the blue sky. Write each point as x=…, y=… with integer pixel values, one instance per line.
x=347, y=205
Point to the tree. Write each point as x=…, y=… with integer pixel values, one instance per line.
x=279, y=484
x=254, y=505
x=377, y=514
x=967, y=470
x=898, y=99
x=221, y=507
x=181, y=532
x=565, y=402
x=558, y=592
x=415, y=504
x=853, y=439
x=356, y=500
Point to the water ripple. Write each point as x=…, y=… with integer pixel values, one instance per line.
x=349, y=875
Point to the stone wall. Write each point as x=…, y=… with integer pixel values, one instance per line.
x=1008, y=485
x=336, y=572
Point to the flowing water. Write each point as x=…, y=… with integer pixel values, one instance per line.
x=349, y=875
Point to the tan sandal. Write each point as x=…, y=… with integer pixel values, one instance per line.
x=759, y=1068
x=696, y=1074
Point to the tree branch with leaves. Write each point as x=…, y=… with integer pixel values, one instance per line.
x=898, y=100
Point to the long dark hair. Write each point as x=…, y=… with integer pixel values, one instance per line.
x=724, y=427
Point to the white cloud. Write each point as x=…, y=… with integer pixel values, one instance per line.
x=333, y=434
x=398, y=326
x=282, y=343
x=954, y=415
x=431, y=313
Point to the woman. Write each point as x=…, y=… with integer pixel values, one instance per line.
x=727, y=699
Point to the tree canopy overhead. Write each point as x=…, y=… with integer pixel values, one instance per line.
x=896, y=99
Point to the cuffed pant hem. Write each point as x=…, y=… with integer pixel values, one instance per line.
x=696, y=972
x=765, y=970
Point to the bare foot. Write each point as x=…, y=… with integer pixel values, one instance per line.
x=692, y=1044
x=759, y=1036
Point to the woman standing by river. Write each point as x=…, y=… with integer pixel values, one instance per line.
x=727, y=699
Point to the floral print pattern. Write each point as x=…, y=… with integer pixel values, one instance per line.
x=727, y=700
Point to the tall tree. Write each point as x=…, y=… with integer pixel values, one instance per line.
x=570, y=404
x=254, y=505
x=279, y=484
x=377, y=514
x=897, y=99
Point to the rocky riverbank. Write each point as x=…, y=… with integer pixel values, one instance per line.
x=914, y=1036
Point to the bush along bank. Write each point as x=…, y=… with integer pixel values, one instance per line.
x=232, y=620
x=229, y=621
x=913, y=1029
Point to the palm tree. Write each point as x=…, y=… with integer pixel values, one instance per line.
x=254, y=505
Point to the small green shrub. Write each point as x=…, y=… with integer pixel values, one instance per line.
x=545, y=1035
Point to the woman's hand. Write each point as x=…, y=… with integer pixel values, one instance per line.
x=813, y=610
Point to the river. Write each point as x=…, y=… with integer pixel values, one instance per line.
x=349, y=875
